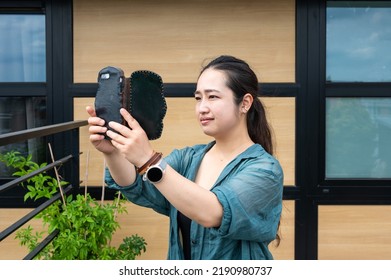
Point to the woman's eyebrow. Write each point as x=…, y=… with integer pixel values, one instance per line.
x=206, y=91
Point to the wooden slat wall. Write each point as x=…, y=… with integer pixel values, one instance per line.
x=174, y=37
x=355, y=232
x=9, y=247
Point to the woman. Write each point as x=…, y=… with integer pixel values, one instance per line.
x=224, y=198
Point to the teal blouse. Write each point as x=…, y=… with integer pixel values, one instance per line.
x=250, y=191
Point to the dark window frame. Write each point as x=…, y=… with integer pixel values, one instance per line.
x=345, y=89
x=316, y=190
x=59, y=67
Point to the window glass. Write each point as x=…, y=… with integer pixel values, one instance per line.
x=358, y=137
x=358, y=40
x=20, y=113
x=22, y=48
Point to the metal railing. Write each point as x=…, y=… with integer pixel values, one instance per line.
x=24, y=135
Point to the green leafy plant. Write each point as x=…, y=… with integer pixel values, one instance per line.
x=85, y=226
x=41, y=185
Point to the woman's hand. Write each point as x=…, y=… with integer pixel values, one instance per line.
x=97, y=131
x=132, y=141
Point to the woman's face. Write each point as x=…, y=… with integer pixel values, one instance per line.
x=216, y=110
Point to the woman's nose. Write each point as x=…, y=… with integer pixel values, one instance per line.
x=203, y=106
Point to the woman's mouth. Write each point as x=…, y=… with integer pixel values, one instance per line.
x=205, y=121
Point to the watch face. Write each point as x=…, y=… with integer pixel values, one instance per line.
x=154, y=174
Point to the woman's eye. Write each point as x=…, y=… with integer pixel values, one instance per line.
x=197, y=98
x=212, y=96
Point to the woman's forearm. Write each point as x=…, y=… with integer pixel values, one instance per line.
x=122, y=171
x=197, y=203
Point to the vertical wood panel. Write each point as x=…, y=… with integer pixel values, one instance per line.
x=174, y=37
x=355, y=232
x=286, y=248
x=281, y=115
x=10, y=249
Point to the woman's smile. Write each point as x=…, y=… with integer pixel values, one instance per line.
x=206, y=120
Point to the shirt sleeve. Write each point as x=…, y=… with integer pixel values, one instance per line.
x=144, y=193
x=141, y=193
x=252, y=201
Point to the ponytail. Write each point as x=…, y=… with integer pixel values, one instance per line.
x=258, y=127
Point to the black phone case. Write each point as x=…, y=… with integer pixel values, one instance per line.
x=147, y=102
x=141, y=94
x=112, y=95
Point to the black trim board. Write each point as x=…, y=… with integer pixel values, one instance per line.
x=187, y=89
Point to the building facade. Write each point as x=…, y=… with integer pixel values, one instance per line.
x=325, y=78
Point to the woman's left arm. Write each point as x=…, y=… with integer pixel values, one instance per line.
x=252, y=202
x=195, y=202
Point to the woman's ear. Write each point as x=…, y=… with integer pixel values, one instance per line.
x=247, y=102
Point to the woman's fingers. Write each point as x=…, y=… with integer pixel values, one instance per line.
x=96, y=137
x=97, y=129
x=97, y=132
x=132, y=122
x=132, y=130
x=96, y=121
x=91, y=111
x=122, y=131
x=93, y=119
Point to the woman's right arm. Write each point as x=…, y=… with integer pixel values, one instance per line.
x=122, y=171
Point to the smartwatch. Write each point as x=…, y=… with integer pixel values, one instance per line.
x=155, y=172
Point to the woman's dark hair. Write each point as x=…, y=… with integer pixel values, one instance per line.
x=241, y=80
